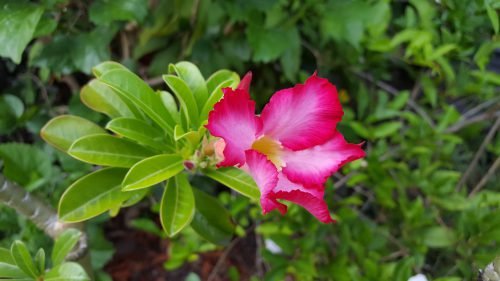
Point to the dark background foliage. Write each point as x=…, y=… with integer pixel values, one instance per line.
x=419, y=81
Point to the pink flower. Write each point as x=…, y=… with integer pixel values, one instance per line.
x=291, y=148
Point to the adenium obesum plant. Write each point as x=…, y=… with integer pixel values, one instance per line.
x=291, y=148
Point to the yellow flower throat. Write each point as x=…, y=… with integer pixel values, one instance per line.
x=271, y=148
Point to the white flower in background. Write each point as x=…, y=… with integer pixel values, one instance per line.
x=418, y=277
x=272, y=247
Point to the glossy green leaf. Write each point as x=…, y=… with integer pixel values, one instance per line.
x=8, y=267
x=493, y=15
x=139, y=131
x=108, y=150
x=93, y=195
x=23, y=259
x=193, y=137
x=212, y=221
x=106, y=66
x=137, y=91
x=153, y=170
x=69, y=271
x=63, y=245
x=63, y=130
x=11, y=110
x=439, y=237
x=170, y=104
x=237, y=180
x=177, y=205
x=40, y=260
x=193, y=78
x=221, y=77
x=101, y=98
x=218, y=80
x=185, y=97
x=18, y=22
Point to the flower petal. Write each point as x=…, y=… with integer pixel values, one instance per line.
x=233, y=119
x=303, y=116
x=265, y=175
x=312, y=166
x=310, y=199
x=245, y=82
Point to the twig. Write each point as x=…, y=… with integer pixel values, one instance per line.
x=478, y=154
x=466, y=122
x=486, y=177
x=395, y=92
x=480, y=107
x=155, y=81
x=125, y=46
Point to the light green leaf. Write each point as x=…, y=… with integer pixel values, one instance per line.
x=8, y=267
x=185, y=97
x=193, y=78
x=93, y=195
x=18, y=21
x=212, y=221
x=177, y=205
x=493, y=15
x=135, y=89
x=107, y=150
x=106, y=66
x=218, y=80
x=386, y=129
x=101, y=98
x=69, y=271
x=23, y=259
x=153, y=170
x=237, y=180
x=220, y=77
x=40, y=260
x=63, y=130
x=139, y=131
x=439, y=237
x=63, y=245
x=170, y=104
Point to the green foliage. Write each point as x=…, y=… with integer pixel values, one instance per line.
x=418, y=81
x=18, y=264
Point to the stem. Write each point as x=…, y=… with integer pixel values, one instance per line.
x=44, y=217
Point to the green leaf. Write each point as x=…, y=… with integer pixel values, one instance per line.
x=493, y=15
x=220, y=77
x=23, y=259
x=99, y=97
x=69, y=271
x=185, y=97
x=139, y=131
x=386, y=129
x=103, y=12
x=11, y=110
x=270, y=44
x=137, y=91
x=63, y=245
x=107, y=150
x=218, y=80
x=18, y=22
x=237, y=180
x=63, y=130
x=170, y=104
x=8, y=267
x=153, y=170
x=106, y=66
x=40, y=260
x=212, y=221
x=193, y=78
x=439, y=237
x=177, y=205
x=93, y=195
x=25, y=164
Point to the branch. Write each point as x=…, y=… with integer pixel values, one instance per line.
x=40, y=213
x=478, y=154
x=466, y=122
x=486, y=177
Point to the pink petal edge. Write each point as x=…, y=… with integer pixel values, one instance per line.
x=303, y=116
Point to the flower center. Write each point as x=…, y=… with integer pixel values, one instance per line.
x=271, y=148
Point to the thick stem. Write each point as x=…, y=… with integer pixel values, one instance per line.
x=44, y=217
